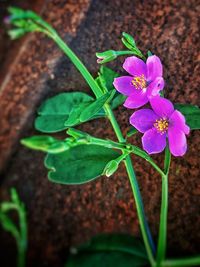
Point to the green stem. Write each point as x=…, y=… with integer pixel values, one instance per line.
x=140, y=211
x=163, y=222
x=22, y=244
x=136, y=192
x=97, y=91
x=195, y=261
x=162, y=238
x=79, y=65
x=129, y=52
x=21, y=233
x=125, y=52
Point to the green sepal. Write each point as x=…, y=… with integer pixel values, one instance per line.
x=149, y=53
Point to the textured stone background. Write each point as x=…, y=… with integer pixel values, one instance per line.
x=61, y=216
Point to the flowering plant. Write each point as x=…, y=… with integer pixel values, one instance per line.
x=80, y=157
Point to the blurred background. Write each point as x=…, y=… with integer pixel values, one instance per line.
x=33, y=69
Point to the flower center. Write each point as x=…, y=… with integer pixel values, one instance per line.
x=139, y=82
x=161, y=125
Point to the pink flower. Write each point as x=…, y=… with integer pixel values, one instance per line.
x=146, y=80
x=160, y=123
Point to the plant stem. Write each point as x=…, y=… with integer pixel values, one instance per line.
x=195, y=261
x=162, y=238
x=129, y=52
x=140, y=211
x=125, y=52
x=20, y=234
x=136, y=192
x=22, y=244
x=79, y=65
x=163, y=222
x=97, y=91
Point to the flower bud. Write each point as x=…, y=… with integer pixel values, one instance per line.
x=111, y=167
x=16, y=33
x=106, y=56
x=128, y=41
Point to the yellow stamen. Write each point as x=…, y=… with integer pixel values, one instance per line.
x=161, y=125
x=139, y=82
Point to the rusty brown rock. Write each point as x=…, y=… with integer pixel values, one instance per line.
x=61, y=216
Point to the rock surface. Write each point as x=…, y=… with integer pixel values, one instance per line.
x=64, y=216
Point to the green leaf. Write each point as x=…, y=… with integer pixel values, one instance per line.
x=55, y=111
x=107, y=76
x=92, y=109
x=74, y=116
x=45, y=143
x=117, y=250
x=105, y=80
x=8, y=225
x=118, y=100
x=191, y=113
x=80, y=164
x=131, y=132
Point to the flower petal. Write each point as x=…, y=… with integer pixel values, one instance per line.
x=153, y=142
x=161, y=106
x=178, y=120
x=177, y=141
x=137, y=99
x=155, y=87
x=154, y=68
x=143, y=119
x=123, y=85
x=135, y=66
